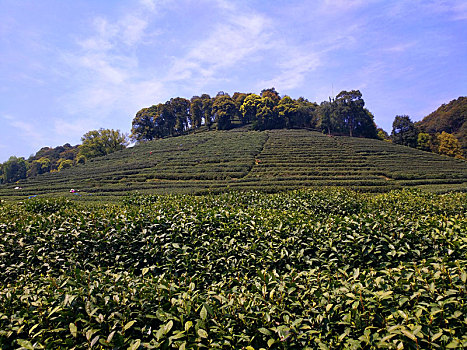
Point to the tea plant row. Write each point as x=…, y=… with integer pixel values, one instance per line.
x=302, y=269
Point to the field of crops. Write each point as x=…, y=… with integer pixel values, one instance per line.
x=270, y=161
x=332, y=269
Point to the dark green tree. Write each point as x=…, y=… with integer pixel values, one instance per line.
x=142, y=126
x=325, y=113
x=207, y=102
x=404, y=131
x=181, y=110
x=350, y=116
x=14, y=169
x=196, y=111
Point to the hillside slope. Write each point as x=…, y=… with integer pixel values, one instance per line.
x=249, y=160
x=451, y=118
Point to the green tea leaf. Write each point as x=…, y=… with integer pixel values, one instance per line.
x=202, y=333
x=73, y=330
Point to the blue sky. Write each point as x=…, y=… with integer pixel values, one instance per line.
x=67, y=67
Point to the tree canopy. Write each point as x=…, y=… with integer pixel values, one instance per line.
x=344, y=115
x=102, y=142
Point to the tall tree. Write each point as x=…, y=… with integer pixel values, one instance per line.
x=102, y=142
x=142, y=126
x=325, y=112
x=249, y=107
x=224, y=110
x=265, y=118
x=288, y=112
x=307, y=115
x=239, y=98
x=404, y=131
x=196, y=111
x=207, y=109
x=181, y=110
x=351, y=117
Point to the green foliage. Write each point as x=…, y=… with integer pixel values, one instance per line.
x=451, y=118
x=65, y=164
x=102, y=142
x=449, y=145
x=46, y=206
x=404, y=131
x=13, y=169
x=424, y=142
x=224, y=110
x=316, y=269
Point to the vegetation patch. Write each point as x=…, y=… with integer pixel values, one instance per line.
x=299, y=269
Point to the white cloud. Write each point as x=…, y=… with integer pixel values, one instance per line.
x=399, y=48
x=294, y=69
x=236, y=39
x=27, y=131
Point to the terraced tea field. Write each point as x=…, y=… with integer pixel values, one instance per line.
x=332, y=269
x=248, y=160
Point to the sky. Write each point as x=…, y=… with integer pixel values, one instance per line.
x=68, y=67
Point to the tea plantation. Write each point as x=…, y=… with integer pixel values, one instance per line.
x=331, y=269
x=269, y=161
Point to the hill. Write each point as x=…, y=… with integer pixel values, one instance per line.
x=274, y=160
x=451, y=118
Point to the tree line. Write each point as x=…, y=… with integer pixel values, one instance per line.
x=406, y=132
x=95, y=143
x=343, y=115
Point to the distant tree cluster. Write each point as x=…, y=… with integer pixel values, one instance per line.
x=95, y=143
x=450, y=118
x=407, y=133
x=344, y=115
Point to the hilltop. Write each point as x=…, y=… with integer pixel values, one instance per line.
x=239, y=159
x=450, y=118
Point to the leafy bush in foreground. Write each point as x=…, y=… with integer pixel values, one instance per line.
x=303, y=269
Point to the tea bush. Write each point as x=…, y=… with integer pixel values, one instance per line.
x=302, y=269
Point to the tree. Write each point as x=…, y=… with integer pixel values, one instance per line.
x=272, y=94
x=196, y=111
x=40, y=166
x=181, y=110
x=350, y=116
x=287, y=111
x=249, y=107
x=307, y=116
x=143, y=128
x=382, y=135
x=65, y=164
x=449, y=145
x=424, y=142
x=325, y=112
x=14, y=169
x=239, y=98
x=224, y=110
x=404, y=131
x=207, y=109
x=102, y=142
x=265, y=118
